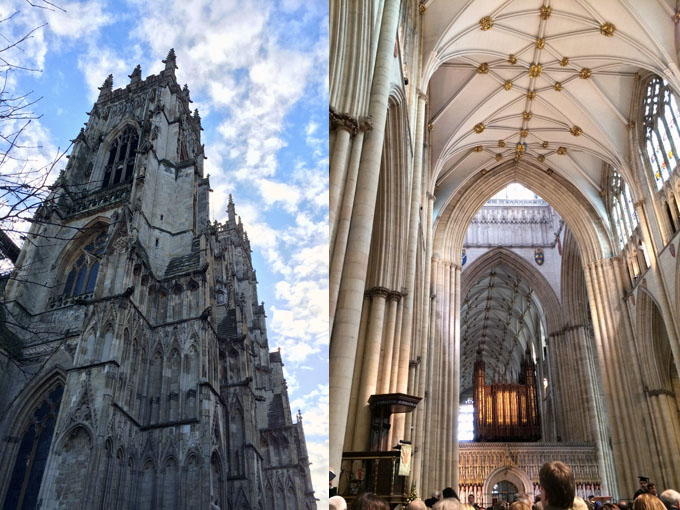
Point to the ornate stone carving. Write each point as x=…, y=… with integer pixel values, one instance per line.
x=501, y=143
x=499, y=157
x=545, y=12
x=541, y=158
x=576, y=131
x=535, y=70
x=531, y=95
x=607, y=29
x=479, y=128
x=544, y=144
x=524, y=133
x=486, y=23
x=477, y=148
x=561, y=150
x=540, y=43
x=526, y=115
x=585, y=73
x=564, y=62
x=512, y=59
x=483, y=68
x=507, y=85
x=557, y=86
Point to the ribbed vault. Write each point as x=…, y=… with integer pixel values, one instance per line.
x=545, y=81
x=506, y=304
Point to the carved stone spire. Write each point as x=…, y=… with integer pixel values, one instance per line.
x=185, y=91
x=170, y=61
x=136, y=75
x=106, y=88
x=231, y=211
x=197, y=118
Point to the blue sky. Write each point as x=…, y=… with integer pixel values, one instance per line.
x=257, y=72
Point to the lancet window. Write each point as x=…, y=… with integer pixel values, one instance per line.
x=623, y=215
x=120, y=160
x=82, y=275
x=662, y=129
x=34, y=446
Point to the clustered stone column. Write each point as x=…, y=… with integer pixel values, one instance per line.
x=347, y=312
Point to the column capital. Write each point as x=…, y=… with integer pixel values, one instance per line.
x=378, y=291
x=639, y=203
x=422, y=95
x=430, y=196
x=339, y=120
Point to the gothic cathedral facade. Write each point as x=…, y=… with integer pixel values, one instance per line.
x=138, y=373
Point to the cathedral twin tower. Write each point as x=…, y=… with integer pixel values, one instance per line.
x=139, y=374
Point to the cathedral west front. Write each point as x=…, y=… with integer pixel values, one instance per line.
x=136, y=372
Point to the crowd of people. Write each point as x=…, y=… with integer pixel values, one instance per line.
x=557, y=493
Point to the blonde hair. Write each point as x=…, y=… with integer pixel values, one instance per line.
x=519, y=505
x=648, y=502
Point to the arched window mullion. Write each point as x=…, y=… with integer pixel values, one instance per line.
x=675, y=130
x=673, y=151
x=664, y=170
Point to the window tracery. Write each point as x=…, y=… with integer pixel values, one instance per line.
x=82, y=277
x=120, y=162
x=623, y=213
x=662, y=129
x=31, y=457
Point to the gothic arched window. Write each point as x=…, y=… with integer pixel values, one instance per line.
x=623, y=213
x=82, y=276
x=120, y=161
x=662, y=129
x=34, y=446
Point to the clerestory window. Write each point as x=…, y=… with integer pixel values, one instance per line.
x=82, y=275
x=662, y=129
x=623, y=213
x=120, y=162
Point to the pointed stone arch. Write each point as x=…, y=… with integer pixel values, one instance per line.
x=589, y=228
x=512, y=474
x=545, y=293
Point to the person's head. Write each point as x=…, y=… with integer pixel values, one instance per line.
x=557, y=484
x=610, y=506
x=416, y=504
x=519, y=505
x=368, y=501
x=436, y=495
x=579, y=504
x=671, y=499
x=466, y=506
x=337, y=503
x=643, y=481
x=447, y=504
x=648, y=502
x=449, y=493
x=471, y=498
x=651, y=488
x=624, y=505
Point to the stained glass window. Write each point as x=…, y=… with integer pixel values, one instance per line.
x=83, y=274
x=623, y=215
x=662, y=129
x=31, y=458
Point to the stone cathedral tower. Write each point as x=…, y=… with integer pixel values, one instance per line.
x=135, y=370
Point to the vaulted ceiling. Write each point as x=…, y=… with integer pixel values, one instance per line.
x=500, y=316
x=556, y=75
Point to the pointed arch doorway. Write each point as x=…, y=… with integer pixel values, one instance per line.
x=506, y=483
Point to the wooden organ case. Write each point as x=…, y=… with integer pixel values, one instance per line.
x=506, y=411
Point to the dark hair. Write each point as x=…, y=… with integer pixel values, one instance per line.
x=369, y=501
x=449, y=493
x=557, y=481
